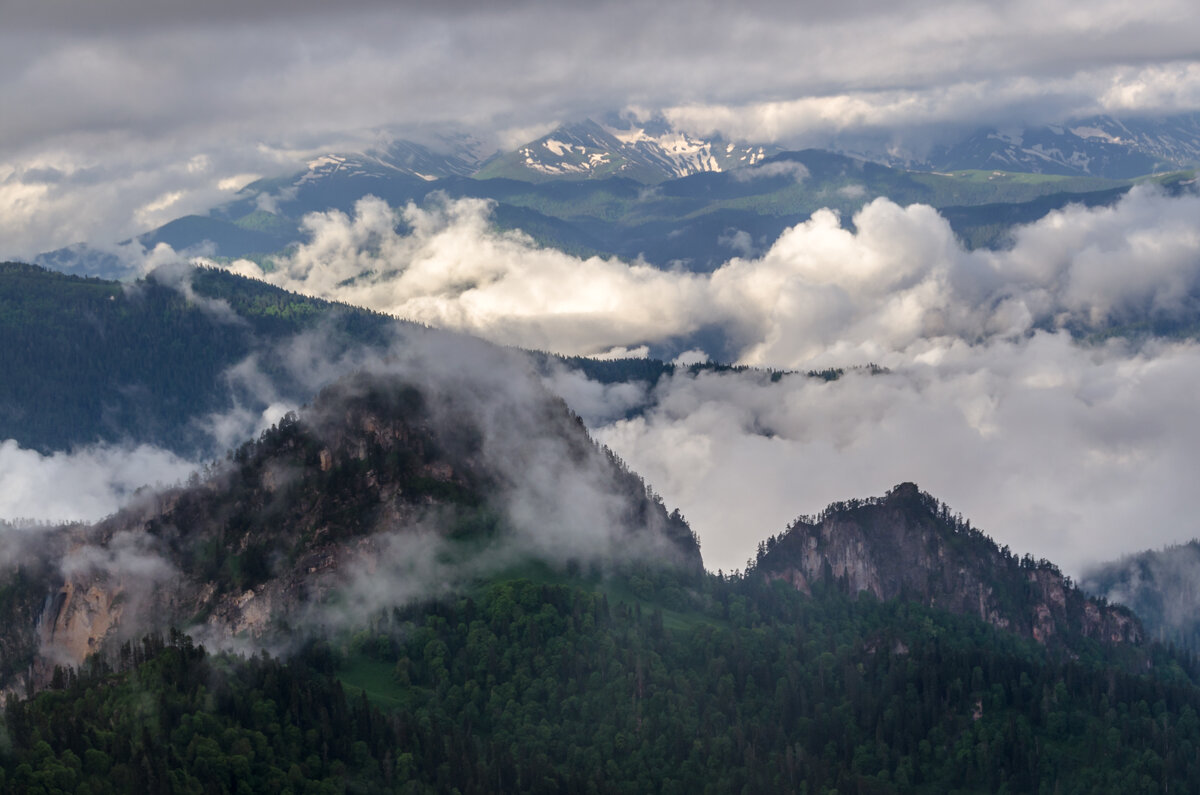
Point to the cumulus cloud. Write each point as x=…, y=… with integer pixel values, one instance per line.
x=1072, y=451
x=445, y=266
x=593, y=400
x=738, y=241
x=821, y=295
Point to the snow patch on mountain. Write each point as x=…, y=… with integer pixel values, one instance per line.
x=649, y=152
x=1086, y=132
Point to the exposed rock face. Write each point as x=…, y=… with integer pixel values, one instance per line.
x=77, y=620
x=906, y=545
x=368, y=481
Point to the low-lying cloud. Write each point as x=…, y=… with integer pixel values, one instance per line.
x=1070, y=450
x=898, y=284
x=1077, y=454
x=778, y=168
x=81, y=485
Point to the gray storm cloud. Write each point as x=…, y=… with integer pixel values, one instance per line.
x=821, y=295
x=128, y=114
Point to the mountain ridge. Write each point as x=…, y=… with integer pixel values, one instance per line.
x=263, y=218
x=415, y=486
x=647, y=152
x=907, y=545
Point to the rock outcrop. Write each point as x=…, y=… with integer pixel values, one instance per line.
x=907, y=545
x=370, y=497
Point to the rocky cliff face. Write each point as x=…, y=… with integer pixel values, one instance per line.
x=906, y=545
x=379, y=493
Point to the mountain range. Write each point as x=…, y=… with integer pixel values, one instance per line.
x=427, y=624
x=408, y=567
x=379, y=452
x=455, y=587
x=646, y=190
x=653, y=150
x=1098, y=145
x=648, y=153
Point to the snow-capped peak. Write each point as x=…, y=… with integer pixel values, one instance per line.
x=647, y=152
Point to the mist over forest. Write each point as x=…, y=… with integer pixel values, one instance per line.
x=599, y=398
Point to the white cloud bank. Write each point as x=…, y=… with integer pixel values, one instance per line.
x=81, y=485
x=87, y=484
x=1070, y=453
x=821, y=295
x=1075, y=452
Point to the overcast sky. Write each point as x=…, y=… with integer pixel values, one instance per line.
x=122, y=114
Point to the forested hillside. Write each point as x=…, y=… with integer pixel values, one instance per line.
x=538, y=665
x=647, y=684
x=89, y=360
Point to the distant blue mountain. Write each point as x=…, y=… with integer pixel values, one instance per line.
x=642, y=189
